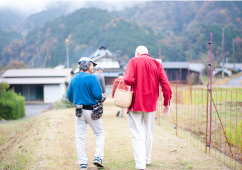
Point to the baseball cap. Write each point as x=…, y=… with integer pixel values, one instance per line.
x=99, y=68
x=86, y=59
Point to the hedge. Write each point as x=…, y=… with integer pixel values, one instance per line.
x=12, y=105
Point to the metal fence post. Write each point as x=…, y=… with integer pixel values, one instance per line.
x=206, y=137
x=176, y=109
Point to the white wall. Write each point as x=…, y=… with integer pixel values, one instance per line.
x=107, y=63
x=62, y=89
x=52, y=93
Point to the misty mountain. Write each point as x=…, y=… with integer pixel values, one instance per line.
x=40, y=18
x=85, y=30
x=180, y=29
x=185, y=26
x=21, y=22
x=9, y=18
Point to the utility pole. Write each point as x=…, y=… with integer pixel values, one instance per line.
x=233, y=56
x=223, y=52
x=67, y=57
x=67, y=52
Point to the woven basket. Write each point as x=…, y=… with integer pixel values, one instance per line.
x=122, y=98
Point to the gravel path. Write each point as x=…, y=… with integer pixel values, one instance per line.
x=234, y=82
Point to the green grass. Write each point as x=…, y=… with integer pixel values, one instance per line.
x=184, y=163
x=233, y=133
x=198, y=96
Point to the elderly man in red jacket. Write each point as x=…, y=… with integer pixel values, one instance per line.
x=144, y=74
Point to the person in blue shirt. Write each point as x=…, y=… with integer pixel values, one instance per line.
x=84, y=89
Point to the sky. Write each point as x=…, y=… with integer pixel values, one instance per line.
x=29, y=7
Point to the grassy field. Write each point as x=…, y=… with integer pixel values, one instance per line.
x=48, y=142
x=219, y=81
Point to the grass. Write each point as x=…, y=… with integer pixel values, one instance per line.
x=10, y=128
x=48, y=142
x=234, y=132
x=199, y=96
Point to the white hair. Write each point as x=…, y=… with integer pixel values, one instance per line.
x=141, y=49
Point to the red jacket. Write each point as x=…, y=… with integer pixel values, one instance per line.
x=121, y=85
x=144, y=73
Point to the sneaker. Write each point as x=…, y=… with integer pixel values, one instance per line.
x=83, y=166
x=117, y=113
x=98, y=162
x=122, y=116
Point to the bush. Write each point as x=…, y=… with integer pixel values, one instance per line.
x=12, y=105
x=3, y=86
x=63, y=103
x=235, y=71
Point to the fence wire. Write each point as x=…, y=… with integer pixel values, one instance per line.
x=190, y=118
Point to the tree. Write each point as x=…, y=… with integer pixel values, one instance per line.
x=1, y=68
x=15, y=64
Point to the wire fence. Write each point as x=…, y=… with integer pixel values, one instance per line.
x=190, y=118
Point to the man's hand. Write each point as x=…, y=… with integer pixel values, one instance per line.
x=166, y=110
x=104, y=97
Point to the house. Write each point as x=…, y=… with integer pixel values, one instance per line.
x=110, y=64
x=230, y=66
x=184, y=72
x=218, y=72
x=39, y=85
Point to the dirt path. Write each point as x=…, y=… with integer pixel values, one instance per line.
x=48, y=142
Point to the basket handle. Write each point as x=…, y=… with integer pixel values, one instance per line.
x=119, y=83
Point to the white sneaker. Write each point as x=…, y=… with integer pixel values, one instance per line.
x=98, y=162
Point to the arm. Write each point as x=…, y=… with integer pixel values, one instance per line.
x=127, y=88
x=70, y=93
x=102, y=83
x=114, y=88
x=96, y=89
x=129, y=77
x=166, y=89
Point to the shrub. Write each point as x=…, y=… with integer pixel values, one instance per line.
x=3, y=86
x=12, y=105
x=235, y=71
x=63, y=103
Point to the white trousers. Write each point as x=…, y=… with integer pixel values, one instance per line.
x=122, y=110
x=141, y=127
x=81, y=130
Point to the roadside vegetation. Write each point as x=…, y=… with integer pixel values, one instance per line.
x=12, y=104
x=63, y=103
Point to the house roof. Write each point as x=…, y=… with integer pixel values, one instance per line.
x=34, y=80
x=220, y=70
x=231, y=65
x=101, y=51
x=41, y=72
x=196, y=67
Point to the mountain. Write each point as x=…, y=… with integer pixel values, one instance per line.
x=185, y=26
x=85, y=30
x=7, y=38
x=180, y=29
x=9, y=18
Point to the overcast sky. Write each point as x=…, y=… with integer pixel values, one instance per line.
x=33, y=6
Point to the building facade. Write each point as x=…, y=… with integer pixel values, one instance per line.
x=38, y=85
x=184, y=72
